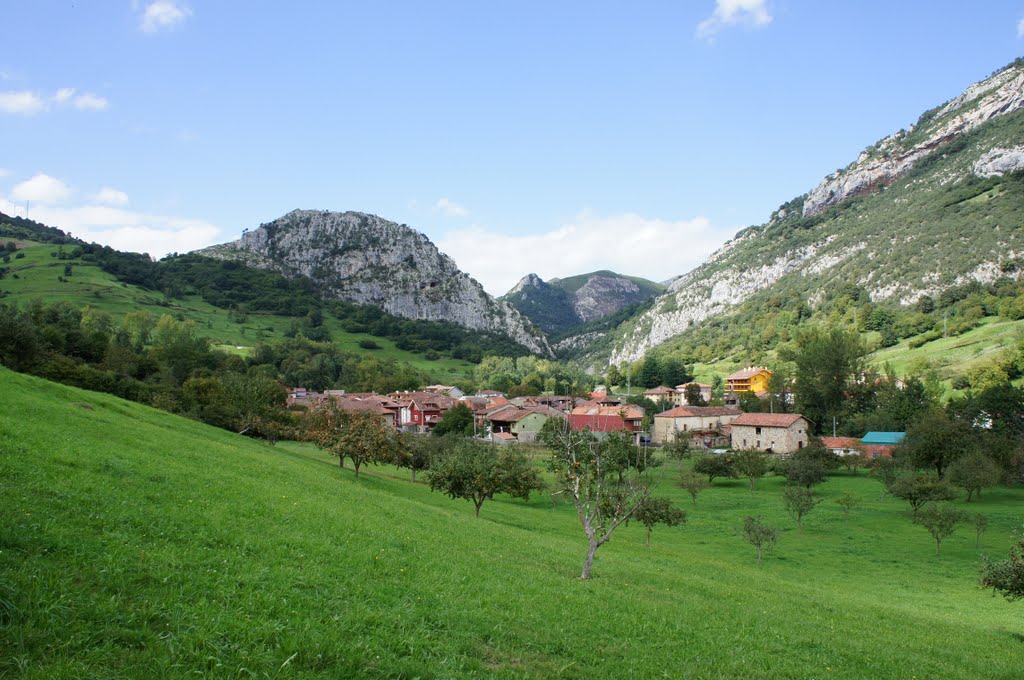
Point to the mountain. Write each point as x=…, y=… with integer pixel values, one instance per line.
x=924, y=210
x=560, y=306
x=365, y=259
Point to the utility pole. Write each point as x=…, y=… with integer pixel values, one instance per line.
x=833, y=426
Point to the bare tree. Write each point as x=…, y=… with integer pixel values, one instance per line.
x=585, y=472
x=759, y=535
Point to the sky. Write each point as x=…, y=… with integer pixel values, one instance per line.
x=548, y=137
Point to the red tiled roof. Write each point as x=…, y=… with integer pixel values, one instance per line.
x=699, y=411
x=767, y=419
x=748, y=372
x=660, y=389
x=840, y=442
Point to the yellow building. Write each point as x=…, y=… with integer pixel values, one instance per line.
x=750, y=379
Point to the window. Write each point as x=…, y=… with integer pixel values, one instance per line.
x=757, y=430
x=758, y=443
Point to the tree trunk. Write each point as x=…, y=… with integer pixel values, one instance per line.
x=355, y=464
x=414, y=475
x=341, y=462
x=758, y=554
x=648, y=537
x=478, y=504
x=589, y=562
x=938, y=547
x=970, y=492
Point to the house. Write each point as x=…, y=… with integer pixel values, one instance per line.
x=875, y=444
x=598, y=417
x=449, y=390
x=752, y=379
x=389, y=416
x=680, y=393
x=420, y=411
x=660, y=392
x=558, y=403
x=523, y=424
x=772, y=432
x=703, y=423
x=842, y=446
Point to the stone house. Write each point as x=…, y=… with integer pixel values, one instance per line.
x=783, y=433
x=700, y=422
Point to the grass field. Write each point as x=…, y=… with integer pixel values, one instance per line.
x=38, y=274
x=134, y=543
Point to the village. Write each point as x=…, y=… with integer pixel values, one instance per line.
x=685, y=413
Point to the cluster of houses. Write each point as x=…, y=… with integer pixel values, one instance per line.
x=508, y=421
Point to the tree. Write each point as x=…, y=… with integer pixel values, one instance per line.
x=918, y=490
x=847, y=502
x=650, y=371
x=715, y=465
x=940, y=520
x=752, y=464
x=693, y=483
x=475, y=471
x=456, y=420
x=653, y=511
x=1006, y=576
x=693, y=395
x=361, y=436
x=827, y=364
x=759, y=535
x=805, y=471
x=886, y=470
x=256, y=404
x=678, y=445
x=974, y=472
x=935, y=440
x=414, y=452
x=582, y=472
x=852, y=461
x=980, y=527
x=799, y=501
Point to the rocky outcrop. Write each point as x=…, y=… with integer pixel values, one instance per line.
x=883, y=246
x=602, y=295
x=999, y=161
x=365, y=259
x=562, y=305
x=897, y=154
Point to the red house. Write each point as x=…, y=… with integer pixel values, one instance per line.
x=421, y=410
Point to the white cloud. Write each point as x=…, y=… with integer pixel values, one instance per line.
x=26, y=103
x=90, y=102
x=109, y=196
x=734, y=12
x=137, y=232
x=42, y=189
x=29, y=103
x=629, y=244
x=1020, y=28
x=4, y=172
x=63, y=95
x=450, y=208
x=163, y=14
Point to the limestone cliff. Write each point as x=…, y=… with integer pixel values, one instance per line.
x=366, y=259
x=920, y=211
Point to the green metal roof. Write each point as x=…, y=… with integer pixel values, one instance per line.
x=883, y=438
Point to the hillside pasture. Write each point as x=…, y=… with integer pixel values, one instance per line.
x=136, y=543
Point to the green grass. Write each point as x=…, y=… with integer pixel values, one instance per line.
x=37, y=278
x=957, y=354
x=137, y=544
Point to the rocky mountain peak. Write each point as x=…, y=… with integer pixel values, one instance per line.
x=367, y=259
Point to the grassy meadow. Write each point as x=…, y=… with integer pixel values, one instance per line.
x=37, y=276
x=134, y=543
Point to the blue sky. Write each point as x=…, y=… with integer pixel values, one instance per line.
x=548, y=137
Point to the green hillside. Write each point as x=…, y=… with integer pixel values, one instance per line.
x=138, y=544
x=39, y=274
